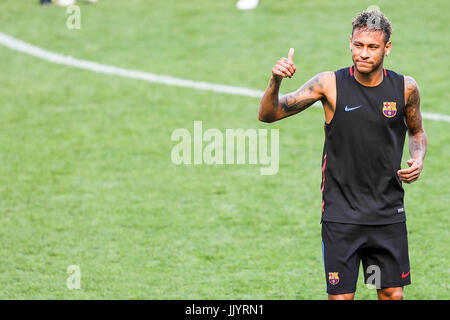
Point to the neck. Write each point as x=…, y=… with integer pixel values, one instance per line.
x=371, y=79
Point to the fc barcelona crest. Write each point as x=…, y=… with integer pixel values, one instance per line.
x=333, y=277
x=389, y=109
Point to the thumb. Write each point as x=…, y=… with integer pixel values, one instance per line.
x=291, y=54
x=410, y=162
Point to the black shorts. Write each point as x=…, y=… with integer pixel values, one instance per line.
x=382, y=249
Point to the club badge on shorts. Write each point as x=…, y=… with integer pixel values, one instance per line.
x=389, y=109
x=333, y=277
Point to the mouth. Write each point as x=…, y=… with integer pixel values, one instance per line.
x=364, y=63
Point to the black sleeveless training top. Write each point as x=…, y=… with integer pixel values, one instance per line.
x=363, y=151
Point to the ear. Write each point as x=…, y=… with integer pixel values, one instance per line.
x=387, y=48
x=350, y=44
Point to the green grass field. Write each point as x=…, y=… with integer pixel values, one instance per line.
x=86, y=176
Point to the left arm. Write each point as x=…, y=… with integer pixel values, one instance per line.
x=416, y=134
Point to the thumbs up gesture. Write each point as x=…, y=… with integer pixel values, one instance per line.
x=284, y=67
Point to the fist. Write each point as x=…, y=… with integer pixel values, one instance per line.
x=284, y=67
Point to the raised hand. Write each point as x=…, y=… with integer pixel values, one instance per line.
x=285, y=67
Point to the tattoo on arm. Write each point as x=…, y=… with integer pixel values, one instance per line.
x=275, y=87
x=417, y=137
x=293, y=103
x=297, y=106
x=271, y=83
x=413, y=117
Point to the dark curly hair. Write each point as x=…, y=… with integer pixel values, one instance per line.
x=374, y=20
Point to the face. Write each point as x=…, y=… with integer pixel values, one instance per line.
x=368, y=49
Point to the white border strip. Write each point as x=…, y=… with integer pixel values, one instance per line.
x=21, y=46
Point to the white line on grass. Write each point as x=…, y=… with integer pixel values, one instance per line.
x=21, y=46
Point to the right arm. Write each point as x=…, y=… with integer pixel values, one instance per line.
x=273, y=108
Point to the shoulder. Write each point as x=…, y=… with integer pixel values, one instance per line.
x=326, y=78
x=322, y=85
x=411, y=89
x=327, y=75
x=410, y=83
x=319, y=83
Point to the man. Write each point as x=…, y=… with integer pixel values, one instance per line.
x=368, y=110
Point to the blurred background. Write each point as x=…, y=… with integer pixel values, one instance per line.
x=86, y=177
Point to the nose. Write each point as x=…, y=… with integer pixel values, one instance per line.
x=364, y=54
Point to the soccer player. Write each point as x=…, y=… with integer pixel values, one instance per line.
x=368, y=111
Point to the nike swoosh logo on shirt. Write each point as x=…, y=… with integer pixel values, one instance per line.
x=405, y=275
x=347, y=108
